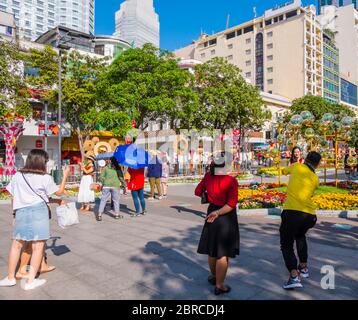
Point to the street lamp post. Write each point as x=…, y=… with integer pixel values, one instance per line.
x=59, y=162
x=46, y=125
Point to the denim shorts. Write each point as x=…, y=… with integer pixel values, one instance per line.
x=32, y=223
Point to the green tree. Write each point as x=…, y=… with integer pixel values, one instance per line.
x=45, y=63
x=13, y=91
x=79, y=93
x=354, y=142
x=318, y=106
x=147, y=84
x=226, y=100
x=14, y=105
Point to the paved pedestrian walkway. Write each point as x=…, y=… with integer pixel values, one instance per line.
x=154, y=256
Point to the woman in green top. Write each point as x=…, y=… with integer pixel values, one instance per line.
x=110, y=188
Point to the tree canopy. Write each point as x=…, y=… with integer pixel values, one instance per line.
x=146, y=84
x=13, y=91
x=226, y=100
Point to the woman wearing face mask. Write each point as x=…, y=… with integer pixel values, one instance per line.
x=220, y=238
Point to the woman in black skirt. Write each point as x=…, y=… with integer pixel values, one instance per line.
x=220, y=238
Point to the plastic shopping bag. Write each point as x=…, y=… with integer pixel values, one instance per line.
x=67, y=215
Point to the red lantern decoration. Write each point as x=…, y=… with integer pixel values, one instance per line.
x=133, y=124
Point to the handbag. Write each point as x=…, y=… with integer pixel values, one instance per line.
x=204, y=197
x=67, y=215
x=48, y=207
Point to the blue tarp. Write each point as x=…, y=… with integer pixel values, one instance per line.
x=132, y=156
x=105, y=156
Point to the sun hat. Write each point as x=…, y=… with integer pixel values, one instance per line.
x=101, y=163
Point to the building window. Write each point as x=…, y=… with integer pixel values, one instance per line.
x=248, y=51
x=270, y=81
x=230, y=46
x=230, y=57
x=270, y=91
x=231, y=35
x=270, y=57
x=291, y=14
x=202, y=55
x=212, y=52
x=248, y=74
x=270, y=70
x=249, y=29
x=280, y=18
x=239, y=32
x=268, y=22
x=248, y=63
x=212, y=42
x=269, y=34
x=270, y=46
x=248, y=40
x=259, y=55
x=275, y=20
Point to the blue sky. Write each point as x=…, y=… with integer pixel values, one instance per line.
x=182, y=20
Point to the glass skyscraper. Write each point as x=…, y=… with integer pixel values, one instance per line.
x=34, y=17
x=137, y=23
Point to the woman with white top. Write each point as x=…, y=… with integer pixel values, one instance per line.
x=31, y=188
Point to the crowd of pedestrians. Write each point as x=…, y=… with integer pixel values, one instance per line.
x=32, y=189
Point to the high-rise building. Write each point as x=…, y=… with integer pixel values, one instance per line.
x=343, y=23
x=137, y=23
x=331, y=80
x=337, y=3
x=34, y=17
x=280, y=52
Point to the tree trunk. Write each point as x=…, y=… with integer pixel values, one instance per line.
x=80, y=142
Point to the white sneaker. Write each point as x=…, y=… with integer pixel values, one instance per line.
x=34, y=284
x=151, y=199
x=160, y=198
x=6, y=282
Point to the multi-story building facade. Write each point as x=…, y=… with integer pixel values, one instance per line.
x=281, y=51
x=331, y=80
x=343, y=23
x=7, y=25
x=137, y=23
x=34, y=17
x=337, y=3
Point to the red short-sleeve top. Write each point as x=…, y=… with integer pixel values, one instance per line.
x=221, y=189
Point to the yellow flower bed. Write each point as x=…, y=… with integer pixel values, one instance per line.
x=246, y=193
x=336, y=201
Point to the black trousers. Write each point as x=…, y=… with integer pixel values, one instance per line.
x=294, y=227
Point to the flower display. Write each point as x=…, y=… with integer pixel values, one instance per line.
x=254, y=199
x=270, y=171
x=4, y=194
x=336, y=201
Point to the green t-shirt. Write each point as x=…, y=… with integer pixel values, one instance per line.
x=109, y=178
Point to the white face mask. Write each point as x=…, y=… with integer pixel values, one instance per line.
x=223, y=171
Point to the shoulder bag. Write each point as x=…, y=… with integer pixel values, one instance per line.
x=48, y=207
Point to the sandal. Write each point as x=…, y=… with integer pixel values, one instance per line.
x=212, y=280
x=49, y=269
x=219, y=291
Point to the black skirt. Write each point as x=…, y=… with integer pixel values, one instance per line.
x=222, y=237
